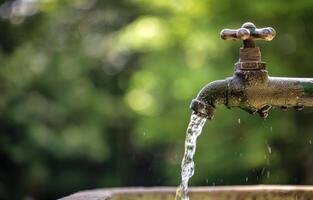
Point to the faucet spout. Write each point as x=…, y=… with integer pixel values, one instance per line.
x=209, y=97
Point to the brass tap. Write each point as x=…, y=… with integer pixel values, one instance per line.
x=250, y=88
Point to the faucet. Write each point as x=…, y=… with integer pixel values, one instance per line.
x=251, y=88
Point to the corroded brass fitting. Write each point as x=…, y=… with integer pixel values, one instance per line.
x=249, y=55
x=250, y=88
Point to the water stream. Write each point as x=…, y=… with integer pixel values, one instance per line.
x=187, y=166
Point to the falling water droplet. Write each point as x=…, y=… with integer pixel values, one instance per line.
x=268, y=174
x=271, y=129
x=207, y=180
x=239, y=121
x=263, y=170
x=310, y=141
x=269, y=149
x=247, y=179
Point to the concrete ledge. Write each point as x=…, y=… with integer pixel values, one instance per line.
x=258, y=192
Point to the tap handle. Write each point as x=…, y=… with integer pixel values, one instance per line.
x=248, y=31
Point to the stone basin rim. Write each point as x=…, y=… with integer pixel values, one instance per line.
x=108, y=192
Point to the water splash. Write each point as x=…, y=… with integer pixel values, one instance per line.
x=187, y=166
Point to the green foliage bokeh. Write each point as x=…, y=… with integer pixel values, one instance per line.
x=96, y=94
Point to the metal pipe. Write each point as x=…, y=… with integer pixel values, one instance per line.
x=253, y=96
x=283, y=92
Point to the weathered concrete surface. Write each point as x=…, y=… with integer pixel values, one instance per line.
x=258, y=192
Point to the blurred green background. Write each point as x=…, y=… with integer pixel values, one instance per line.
x=96, y=94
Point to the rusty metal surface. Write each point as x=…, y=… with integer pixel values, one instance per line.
x=254, y=94
x=259, y=192
x=250, y=88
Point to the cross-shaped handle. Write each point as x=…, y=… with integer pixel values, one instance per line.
x=248, y=32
